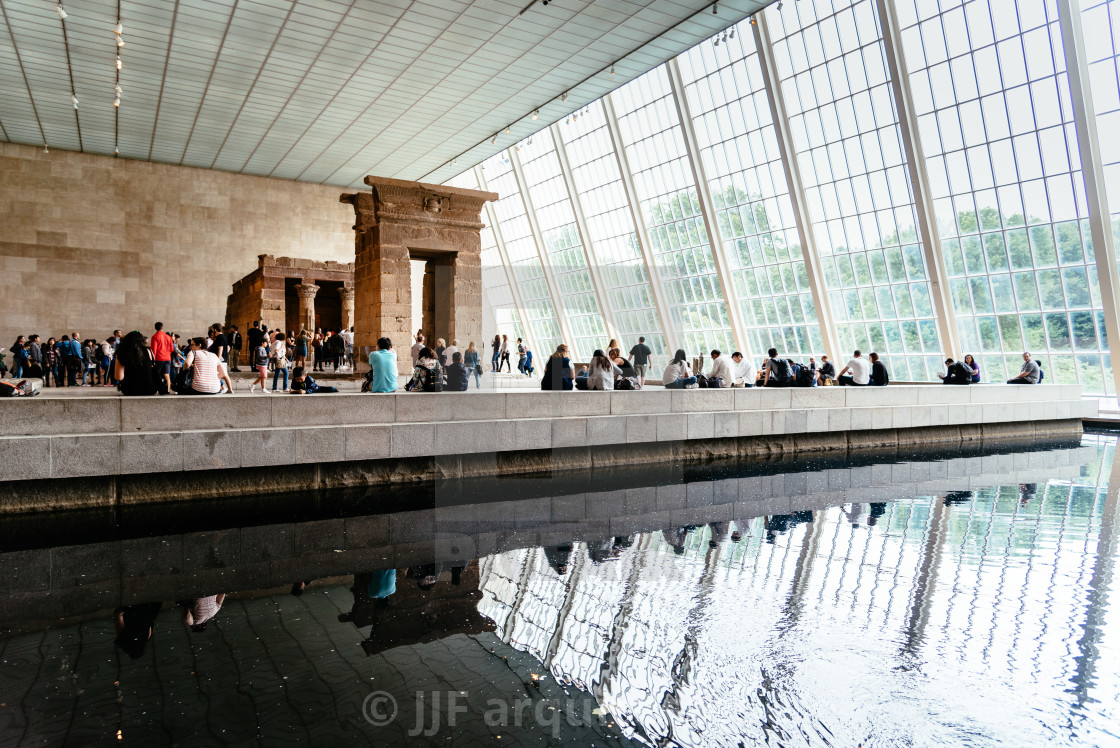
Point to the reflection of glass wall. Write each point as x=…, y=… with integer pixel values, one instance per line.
x=651, y=133
x=598, y=182
x=845, y=133
x=735, y=130
x=521, y=248
x=996, y=126
x=563, y=247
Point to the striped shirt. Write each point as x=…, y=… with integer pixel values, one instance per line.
x=206, y=373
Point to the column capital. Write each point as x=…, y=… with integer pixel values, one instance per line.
x=346, y=293
x=306, y=290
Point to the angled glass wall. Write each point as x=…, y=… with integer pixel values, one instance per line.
x=996, y=128
x=651, y=134
x=521, y=248
x=993, y=120
x=496, y=291
x=739, y=148
x=563, y=247
x=626, y=279
x=845, y=130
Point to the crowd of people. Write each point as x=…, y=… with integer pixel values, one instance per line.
x=161, y=364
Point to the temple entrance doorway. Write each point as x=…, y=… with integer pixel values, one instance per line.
x=433, y=286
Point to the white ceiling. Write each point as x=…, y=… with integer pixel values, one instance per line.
x=326, y=90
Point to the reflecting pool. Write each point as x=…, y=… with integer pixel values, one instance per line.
x=949, y=598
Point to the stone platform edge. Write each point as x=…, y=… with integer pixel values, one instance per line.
x=154, y=487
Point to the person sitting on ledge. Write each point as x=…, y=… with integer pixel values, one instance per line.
x=721, y=371
x=304, y=384
x=861, y=372
x=745, y=373
x=558, y=370
x=827, y=372
x=458, y=376
x=879, y=376
x=428, y=374
x=956, y=373
x=133, y=367
x=209, y=373
x=970, y=362
x=383, y=367
x=602, y=372
x=776, y=371
x=678, y=374
x=1029, y=374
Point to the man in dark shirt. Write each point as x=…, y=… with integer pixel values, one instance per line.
x=256, y=334
x=639, y=356
x=234, y=348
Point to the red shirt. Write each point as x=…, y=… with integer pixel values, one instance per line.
x=162, y=345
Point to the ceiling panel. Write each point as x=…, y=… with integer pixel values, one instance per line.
x=326, y=90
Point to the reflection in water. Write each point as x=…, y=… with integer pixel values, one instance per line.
x=975, y=614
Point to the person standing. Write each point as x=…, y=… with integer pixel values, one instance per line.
x=261, y=355
x=383, y=367
x=348, y=350
x=35, y=356
x=235, y=349
x=496, y=345
x=219, y=343
x=416, y=348
x=317, y=346
x=860, y=369
x=520, y=356
x=255, y=335
x=162, y=347
x=639, y=357
x=473, y=364
x=505, y=354
x=279, y=355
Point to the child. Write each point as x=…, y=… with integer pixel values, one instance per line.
x=260, y=362
x=302, y=384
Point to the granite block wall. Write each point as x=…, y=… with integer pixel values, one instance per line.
x=90, y=243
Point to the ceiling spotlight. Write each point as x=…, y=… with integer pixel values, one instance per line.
x=612, y=69
x=731, y=34
x=118, y=29
x=564, y=96
x=46, y=149
x=717, y=41
x=454, y=162
x=507, y=131
x=117, y=88
x=536, y=113
x=119, y=65
x=117, y=101
x=715, y=8
x=74, y=100
x=753, y=21
x=120, y=42
x=116, y=151
x=493, y=140
x=61, y=12
x=518, y=149
x=780, y=4
x=575, y=117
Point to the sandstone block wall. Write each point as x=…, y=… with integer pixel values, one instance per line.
x=93, y=243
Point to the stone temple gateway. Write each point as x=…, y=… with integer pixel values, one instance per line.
x=397, y=222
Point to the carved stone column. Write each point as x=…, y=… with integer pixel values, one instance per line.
x=398, y=221
x=307, y=293
x=346, y=294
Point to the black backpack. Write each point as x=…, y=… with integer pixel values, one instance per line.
x=780, y=370
x=806, y=377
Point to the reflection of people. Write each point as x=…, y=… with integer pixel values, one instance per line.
x=878, y=509
x=853, y=513
x=200, y=610
x=135, y=625
x=558, y=557
x=957, y=497
x=1027, y=491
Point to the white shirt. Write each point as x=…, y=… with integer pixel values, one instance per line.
x=279, y=348
x=676, y=370
x=450, y=351
x=347, y=337
x=861, y=370
x=745, y=370
x=602, y=379
x=416, y=348
x=721, y=368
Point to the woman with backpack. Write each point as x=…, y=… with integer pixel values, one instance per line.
x=427, y=376
x=280, y=360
